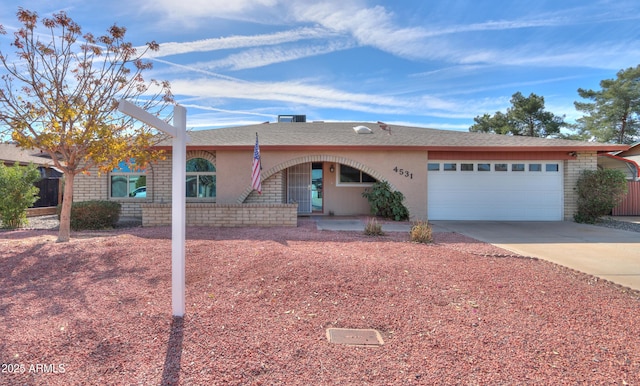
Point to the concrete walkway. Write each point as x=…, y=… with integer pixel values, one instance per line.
x=607, y=253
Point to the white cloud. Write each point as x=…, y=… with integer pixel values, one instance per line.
x=378, y=27
x=233, y=42
x=260, y=57
x=369, y=26
x=308, y=94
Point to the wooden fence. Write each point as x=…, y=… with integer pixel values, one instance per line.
x=630, y=206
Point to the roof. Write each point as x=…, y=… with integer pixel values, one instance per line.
x=10, y=153
x=341, y=135
x=633, y=150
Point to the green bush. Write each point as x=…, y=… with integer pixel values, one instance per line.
x=17, y=193
x=421, y=232
x=93, y=214
x=373, y=228
x=386, y=203
x=599, y=191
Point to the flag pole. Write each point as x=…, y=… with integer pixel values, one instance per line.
x=256, y=168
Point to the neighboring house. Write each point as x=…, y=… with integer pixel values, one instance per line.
x=49, y=185
x=628, y=162
x=322, y=168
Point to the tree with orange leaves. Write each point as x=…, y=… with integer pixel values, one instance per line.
x=60, y=91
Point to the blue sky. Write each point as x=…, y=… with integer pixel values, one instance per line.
x=436, y=63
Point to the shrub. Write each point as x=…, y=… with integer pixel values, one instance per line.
x=421, y=232
x=599, y=191
x=373, y=228
x=93, y=214
x=17, y=193
x=386, y=203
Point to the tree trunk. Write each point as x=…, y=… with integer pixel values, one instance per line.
x=64, y=233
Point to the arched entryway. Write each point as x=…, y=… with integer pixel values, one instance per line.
x=304, y=180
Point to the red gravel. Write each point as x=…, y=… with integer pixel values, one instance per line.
x=97, y=311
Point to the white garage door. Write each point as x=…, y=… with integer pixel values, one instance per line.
x=495, y=190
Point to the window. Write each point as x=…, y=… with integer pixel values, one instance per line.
x=484, y=167
x=500, y=167
x=433, y=167
x=449, y=167
x=552, y=168
x=201, y=178
x=535, y=167
x=126, y=181
x=466, y=167
x=517, y=167
x=349, y=175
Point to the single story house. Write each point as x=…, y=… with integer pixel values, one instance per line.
x=322, y=168
x=10, y=154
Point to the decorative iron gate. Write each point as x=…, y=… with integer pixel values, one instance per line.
x=299, y=187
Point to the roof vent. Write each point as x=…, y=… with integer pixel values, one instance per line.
x=362, y=130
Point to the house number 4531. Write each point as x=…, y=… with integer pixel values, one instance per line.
x=403, y=172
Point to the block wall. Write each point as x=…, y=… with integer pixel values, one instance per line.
x=572, y=170
x=224, y=215
x=94, y=186
x=273, y=190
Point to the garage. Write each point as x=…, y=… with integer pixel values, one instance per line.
x=495, y=190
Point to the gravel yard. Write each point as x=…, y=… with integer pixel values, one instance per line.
x=97, y=310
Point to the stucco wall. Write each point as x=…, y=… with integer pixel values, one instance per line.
x=233, y=179
x=339, y=200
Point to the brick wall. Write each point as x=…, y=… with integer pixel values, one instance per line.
x=91, y=186
x=224, y=215
x=94, y=186
x=572, y=170
x=267, y=209
x=273, y=190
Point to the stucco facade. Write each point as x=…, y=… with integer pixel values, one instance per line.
x=233, y=182
x=398, y=155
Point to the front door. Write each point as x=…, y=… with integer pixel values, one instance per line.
x=299, y=187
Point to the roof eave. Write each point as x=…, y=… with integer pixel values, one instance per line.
x=600, y=148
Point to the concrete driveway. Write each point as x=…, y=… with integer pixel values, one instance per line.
x=607, y=253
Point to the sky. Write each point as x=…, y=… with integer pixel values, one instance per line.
x=435, y=63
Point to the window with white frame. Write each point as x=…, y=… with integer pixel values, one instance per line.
x=348, y=175
x=201, y=179
x=127, y=181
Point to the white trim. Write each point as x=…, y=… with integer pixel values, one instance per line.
x=352, y=184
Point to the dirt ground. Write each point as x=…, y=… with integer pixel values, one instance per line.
x=97, y=311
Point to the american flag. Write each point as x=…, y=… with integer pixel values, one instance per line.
x=256, y=184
